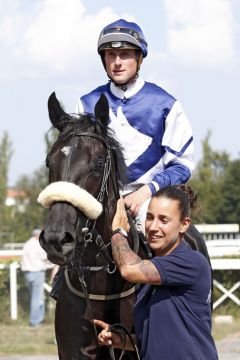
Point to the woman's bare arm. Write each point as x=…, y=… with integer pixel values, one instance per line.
x=131, y=266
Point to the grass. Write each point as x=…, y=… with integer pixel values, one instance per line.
x=22, y=339
x=222, y=330
x=19, y=338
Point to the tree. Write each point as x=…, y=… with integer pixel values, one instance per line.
x=32, y=215
x=6, y=152
x=229, y=211
x=207, y=181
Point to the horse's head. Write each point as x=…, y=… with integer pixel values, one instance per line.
x=80, y=164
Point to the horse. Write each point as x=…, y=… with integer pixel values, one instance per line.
x=86, y=172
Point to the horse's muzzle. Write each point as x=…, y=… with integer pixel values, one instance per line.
x=59, y=246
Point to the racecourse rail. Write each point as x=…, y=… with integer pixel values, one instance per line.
x=222, y=240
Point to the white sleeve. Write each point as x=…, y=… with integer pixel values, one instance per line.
x=79, y=109
x=178, y=138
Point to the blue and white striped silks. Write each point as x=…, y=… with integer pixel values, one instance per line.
x=152, y=128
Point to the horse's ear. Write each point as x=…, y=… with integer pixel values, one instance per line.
x=101, y=111
x=56, y=112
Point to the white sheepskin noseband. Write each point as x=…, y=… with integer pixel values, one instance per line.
x=78, y=197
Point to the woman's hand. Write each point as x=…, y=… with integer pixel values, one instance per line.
x=120, y=219
x=106, y=337
x=109, y=338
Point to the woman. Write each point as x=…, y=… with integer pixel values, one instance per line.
x=172, y=314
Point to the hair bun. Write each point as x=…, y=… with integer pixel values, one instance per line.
x=191, y=195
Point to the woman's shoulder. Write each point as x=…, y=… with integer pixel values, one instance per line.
x=195, y=255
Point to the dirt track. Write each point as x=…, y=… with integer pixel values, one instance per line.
x=229, y=348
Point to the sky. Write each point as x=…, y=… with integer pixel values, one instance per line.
x=50, y=45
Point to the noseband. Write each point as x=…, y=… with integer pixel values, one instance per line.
x=88, y=235
x=59, y=191
x=89, y=232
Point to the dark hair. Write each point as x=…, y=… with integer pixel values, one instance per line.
x=185, y=196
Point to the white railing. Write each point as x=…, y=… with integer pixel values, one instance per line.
x=222, y=240
x=221, y=265
x=219, y=231
x=218, y=251
x=217, y=264
x=13, y=268
x=220, y=248
x=9, y=254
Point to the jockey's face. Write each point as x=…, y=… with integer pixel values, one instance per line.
x=121, y=64
x=163, y=225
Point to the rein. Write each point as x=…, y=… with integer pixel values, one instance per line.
x=123, y=333
x=90, y=234
x=87, y=233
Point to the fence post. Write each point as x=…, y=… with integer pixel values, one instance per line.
x=13, y=289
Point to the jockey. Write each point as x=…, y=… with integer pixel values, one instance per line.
x=148, y=122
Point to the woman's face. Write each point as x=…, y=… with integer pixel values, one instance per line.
x=164, y=229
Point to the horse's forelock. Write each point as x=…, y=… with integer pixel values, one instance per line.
x=85, y=122
x=78, y=122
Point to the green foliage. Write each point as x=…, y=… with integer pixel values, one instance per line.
x=216, y=181
x=4, y=294
x=208, y=182
x=22, y=296
x=5, y=156
x=229, y=211
x=33, y=215
x=27, y=214
x=20, y=341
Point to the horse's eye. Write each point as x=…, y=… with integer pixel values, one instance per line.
x=99, y=165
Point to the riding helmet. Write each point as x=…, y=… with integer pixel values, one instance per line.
x=122, y=34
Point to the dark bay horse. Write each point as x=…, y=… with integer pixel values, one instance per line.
x=86, y=168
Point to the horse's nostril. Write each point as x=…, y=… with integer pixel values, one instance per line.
x=55, y=240
x=68, y=238
x=41, y=238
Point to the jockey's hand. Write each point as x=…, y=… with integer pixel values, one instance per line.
x=106, y=337
x=120, y=218
x=134, y=201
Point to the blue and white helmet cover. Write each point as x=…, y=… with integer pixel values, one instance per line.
x=123, y=31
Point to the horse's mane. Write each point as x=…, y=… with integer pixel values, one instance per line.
x=86, y=122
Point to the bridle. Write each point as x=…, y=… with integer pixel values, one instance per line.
x=90, y=234
x=89, y=231
x=88, y=208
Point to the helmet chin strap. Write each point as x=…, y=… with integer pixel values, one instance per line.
x=125, y=85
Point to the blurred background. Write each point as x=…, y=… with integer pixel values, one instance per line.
x=50, y=45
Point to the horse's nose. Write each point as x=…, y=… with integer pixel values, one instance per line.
x=61, y=241
x=59, y=246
